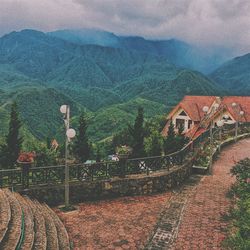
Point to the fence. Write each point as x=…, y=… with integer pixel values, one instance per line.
x=24, y=177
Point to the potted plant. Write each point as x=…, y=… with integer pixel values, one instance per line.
x=123, y=151
x=26, y=159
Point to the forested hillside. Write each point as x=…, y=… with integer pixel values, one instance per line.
x=42, y=72
x=177, y=52
x=234, y=75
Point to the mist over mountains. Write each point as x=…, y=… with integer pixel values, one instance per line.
x=106, y=75
x=180, y=53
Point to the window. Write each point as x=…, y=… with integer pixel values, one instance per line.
x=179, y=122
x=183, y=113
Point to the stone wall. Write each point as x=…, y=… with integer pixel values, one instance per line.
x=116, y=187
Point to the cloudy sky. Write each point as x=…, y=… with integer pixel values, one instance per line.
x=203, y=22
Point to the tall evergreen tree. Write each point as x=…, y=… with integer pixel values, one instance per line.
x=170, y=141
x=171, y=131
x=154, y=143
x=181, y=139
x=13, y=144
x=181, y=130
x=81, y=148
x=98, y=154
x=137, y=134
x=48, y=142
x=121, y=138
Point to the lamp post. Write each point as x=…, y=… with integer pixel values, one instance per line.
x=69, y=134
x=220, y=125
x=205, y=109
x=239, y=114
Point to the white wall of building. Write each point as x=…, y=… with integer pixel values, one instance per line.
x=186, y=119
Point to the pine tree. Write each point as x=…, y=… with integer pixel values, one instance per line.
x=154, y=143
x=171, y=131
x=13, y=144
x=137, y=134
x=170, y=141
x=81, y=148
x=98, y=154
x=181, y=139
x=121, y=138
x=48, y=143
x=181, y=129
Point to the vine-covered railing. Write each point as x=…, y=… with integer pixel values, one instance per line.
x=54, y=175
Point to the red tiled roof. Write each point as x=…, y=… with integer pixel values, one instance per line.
x=193, y=106
x=243, y=104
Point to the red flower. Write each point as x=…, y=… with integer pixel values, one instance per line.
x=26, y=157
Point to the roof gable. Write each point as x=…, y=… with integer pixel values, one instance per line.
x=193, y=106
x=242, y=104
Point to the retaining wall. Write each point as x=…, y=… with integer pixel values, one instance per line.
x=142, y=184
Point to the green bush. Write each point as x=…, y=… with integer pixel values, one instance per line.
x=240, y=215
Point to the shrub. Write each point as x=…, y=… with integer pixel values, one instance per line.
x=240, y=214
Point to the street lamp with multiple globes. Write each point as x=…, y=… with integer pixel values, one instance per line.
x=205, y=109
x=220, y=125
x=239, y=114
x=69, y=134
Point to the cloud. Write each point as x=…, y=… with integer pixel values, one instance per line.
x=203, y=22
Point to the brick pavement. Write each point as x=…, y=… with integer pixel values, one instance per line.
x=168, y=224
x=123, y=223
x=193, y=213
x=202, y=226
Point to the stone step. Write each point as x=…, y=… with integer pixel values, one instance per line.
x=28, y=224
x=5, y=214
x=12, y=236
x=51, y=231
x=40, y=239
x=63, y=238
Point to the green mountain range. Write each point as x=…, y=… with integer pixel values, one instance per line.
x=177, y=52
x=234, y=75
x=42, y=72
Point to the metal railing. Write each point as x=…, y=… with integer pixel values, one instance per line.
x=54, y=175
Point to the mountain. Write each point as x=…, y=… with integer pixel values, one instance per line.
x=87, y=36
x=167, y=90
x=42, y=72
x=175, y=51
x=234, y=75
x=116, y=117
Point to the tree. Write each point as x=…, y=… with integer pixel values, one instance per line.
x=81, y=147
x=45, y=156
x=137, y=134
x=121, y=138
x=181, y=129
x=13, y=144
x=154, y=144
x=98, y=155
x=170, y=141
x=174, y=142
x=48, y=142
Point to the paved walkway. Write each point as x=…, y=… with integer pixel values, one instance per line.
x=201, y=226
x=123, y=223
x=167, y=227
x=192, y=212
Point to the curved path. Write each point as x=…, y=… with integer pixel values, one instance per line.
x=201, y=226
x=192, y=212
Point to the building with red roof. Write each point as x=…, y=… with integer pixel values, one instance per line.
x=197, y=113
